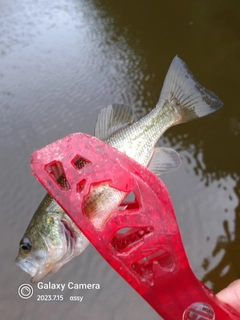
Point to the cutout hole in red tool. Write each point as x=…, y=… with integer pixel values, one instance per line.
x=56, y=172
x=144, y=267
x=81, y=185
x=79, y=162
x=125, y=239
x=130, y=202
x=98, y=193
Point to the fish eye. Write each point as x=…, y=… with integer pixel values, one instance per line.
x=25, y=245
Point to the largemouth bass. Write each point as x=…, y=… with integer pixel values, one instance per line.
x=52, y=239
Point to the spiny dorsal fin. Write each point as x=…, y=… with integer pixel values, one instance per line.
x=164, y=160
x=185, y=94
x=112, y=118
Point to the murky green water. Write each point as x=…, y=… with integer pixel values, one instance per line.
x=61, y=62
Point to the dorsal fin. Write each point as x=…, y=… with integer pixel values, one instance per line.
x=112, y=118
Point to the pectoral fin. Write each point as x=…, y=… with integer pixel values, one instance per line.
x=164, y=160
x=111, y=119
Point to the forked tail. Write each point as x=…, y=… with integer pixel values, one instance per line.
x=188, y=98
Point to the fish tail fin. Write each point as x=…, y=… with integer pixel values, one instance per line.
x=185, y=95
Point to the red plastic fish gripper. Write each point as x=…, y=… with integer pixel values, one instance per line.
x=149, y=255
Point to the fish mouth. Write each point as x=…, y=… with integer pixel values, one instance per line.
x=27, y=266
x=37, y=277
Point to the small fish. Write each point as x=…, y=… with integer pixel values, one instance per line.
x=52, y=239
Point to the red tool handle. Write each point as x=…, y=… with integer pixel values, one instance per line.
x=149, y=254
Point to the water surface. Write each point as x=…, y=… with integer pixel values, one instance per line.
x=61, y=62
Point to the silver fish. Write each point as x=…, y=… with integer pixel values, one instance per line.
x=52, y=239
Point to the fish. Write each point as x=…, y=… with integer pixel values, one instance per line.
x=52, y=239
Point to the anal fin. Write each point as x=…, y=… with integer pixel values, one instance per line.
x=164, y=160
